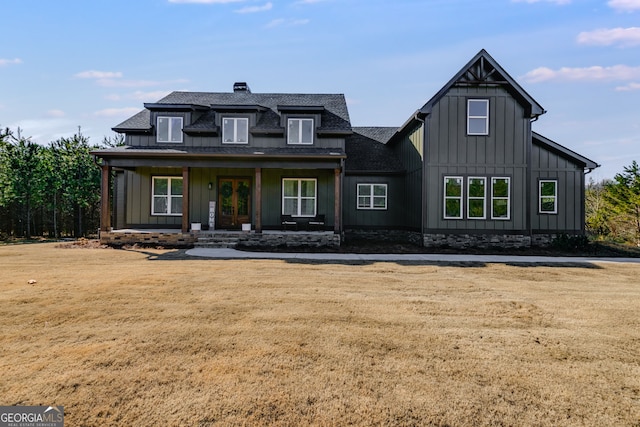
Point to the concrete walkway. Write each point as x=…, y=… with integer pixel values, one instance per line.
x=410, y=258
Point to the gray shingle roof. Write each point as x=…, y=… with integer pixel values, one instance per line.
x=367, y=151
x=335, y=116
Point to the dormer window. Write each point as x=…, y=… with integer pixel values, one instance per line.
x=169, y=129
x=235, y=130
x=300, y=131
x=478, y=117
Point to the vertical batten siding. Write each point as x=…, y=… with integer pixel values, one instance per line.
x=138, y=211
x=570, y=178
x=502, y=153
x=392, y=217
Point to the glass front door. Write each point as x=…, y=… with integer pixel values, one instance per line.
x=234, y=207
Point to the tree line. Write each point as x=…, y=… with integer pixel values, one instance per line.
x=613, y=206
x=49, y=191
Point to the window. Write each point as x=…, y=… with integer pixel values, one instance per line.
x=300, y=131
x=548, y=196
x=478, y=117
x=372, y=196
x=299, y=197
x=235, y=130
x=476, y=197
x=169, y=129
x=500, y=199
x=167, y=196
x=453, y=197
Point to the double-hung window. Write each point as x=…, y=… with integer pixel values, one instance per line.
x=372, y=196
x=478, y=117
x=235, y=130
x=476, y=197
x=299, y=196
x=300, y=131
x=169, y=129
x=453, y=197
x=548, y=196
x=167, y=195
x=500, y=198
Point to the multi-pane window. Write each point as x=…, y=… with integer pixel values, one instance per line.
x=548, y=196
x=169, y=129
x=372, y=196
x=167, y=195
x=476, y=197
x=500, y=198
x=478, y=117
x=299, y=196
x=453, y=197
x=235, y=130
x=300, y=131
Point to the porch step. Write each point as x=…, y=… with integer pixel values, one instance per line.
x=218, y=240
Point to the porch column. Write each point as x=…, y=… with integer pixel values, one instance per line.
x=185, y=199
x=337, y=197
x=105, y=198
x=258, y=202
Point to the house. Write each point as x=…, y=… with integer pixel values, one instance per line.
x=465, y=169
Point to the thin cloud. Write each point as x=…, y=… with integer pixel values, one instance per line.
x=5, y=62
x=55, y=113
x=288, y=23
x=609, y=36
x=309, y=1
x=139, y=95
x=136, y=83
x=255, y=9
x=595, y=73
x=93, y=74
x=628, y=88
x=117, y=112
x=624, y=5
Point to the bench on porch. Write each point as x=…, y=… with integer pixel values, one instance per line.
x=290, y=222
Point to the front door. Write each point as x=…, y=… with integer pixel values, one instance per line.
x=234, y=207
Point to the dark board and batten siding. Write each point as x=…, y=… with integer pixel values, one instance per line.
x=392, y=217
x=501, y=153
x=547, y=165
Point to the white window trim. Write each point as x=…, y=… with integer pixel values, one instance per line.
x=301, y=120
x=483, y=198
x=445, y=198
x=299, y=196
x=170, y=129
x=555, y=196
x=168, y=196
x=469, y=117
x=370, y=204
x=235, y=130
x=508, y=198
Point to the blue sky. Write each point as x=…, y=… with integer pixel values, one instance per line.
x=70, y=63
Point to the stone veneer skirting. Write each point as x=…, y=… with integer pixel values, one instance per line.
x=504, y=241
x=173, y=240
x=384, y=236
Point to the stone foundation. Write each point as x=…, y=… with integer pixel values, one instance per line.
x=289, y=240
x=483, y=241
x=170, y=240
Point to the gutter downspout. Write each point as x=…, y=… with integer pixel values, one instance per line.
x=420, y=117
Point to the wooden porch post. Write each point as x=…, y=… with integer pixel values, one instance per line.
x=258, y=202
x=105, y=199
x=185, y=199
x=337, y=197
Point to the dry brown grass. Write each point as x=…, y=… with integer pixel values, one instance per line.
x=142, y=337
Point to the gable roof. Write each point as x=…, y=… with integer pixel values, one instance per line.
x=334, y=115
x=483, y=70
x=563, y=151
x=367, y=152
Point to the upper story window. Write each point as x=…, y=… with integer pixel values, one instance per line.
x=372, y=196
x=169, y=129
x=300, y=131
x=235, y=130
x=548, y=201
x=478, y=117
